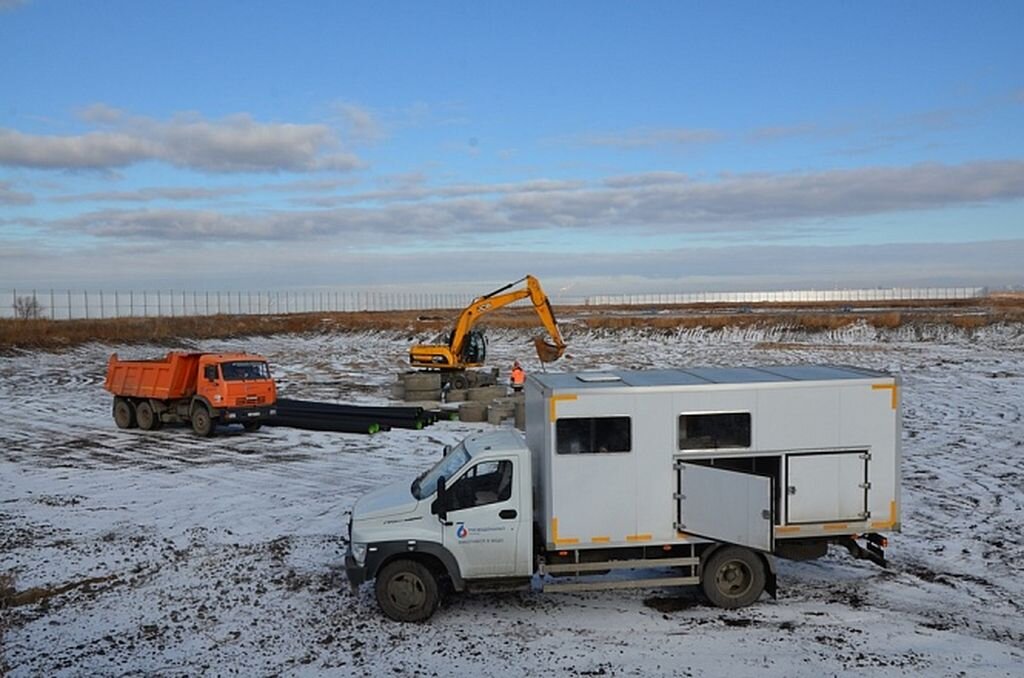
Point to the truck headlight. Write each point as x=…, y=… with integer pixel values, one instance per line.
x=359, y=554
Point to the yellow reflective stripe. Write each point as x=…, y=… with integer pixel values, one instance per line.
x=639, y=537
x=885, y=524
x=556, y=398
x=600, y=540
x=891, y=387
x=560, y=541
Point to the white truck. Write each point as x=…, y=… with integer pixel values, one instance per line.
x=699, y=474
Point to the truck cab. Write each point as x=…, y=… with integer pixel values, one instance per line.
x=469, y=517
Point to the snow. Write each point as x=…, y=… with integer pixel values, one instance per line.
x=224, y=555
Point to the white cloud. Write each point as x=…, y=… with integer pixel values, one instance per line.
x=236, y=143
x=761, y=204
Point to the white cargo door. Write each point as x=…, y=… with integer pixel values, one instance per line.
x=827, y=487
x=727, y=506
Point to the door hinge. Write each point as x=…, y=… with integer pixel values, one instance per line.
x=678, y=495
x=866, y=456
x=865, y=514
x=766, y=514
x=865, y=486
x=791, y=490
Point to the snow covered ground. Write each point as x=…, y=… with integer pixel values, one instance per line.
x=224, y=555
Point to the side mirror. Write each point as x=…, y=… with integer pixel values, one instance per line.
x=440, y=506
x=447, y=450
x=210, y=373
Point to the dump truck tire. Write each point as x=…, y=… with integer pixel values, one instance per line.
x=407, y=591
x=459, y=381
x=202, y=422
x=733, y=577
x=146, y=417
x=124, y=414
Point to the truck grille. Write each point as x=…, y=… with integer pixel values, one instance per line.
x=249, y=401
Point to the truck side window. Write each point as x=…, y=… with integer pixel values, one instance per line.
x=583, y=435
x=488, y=482
x=711, y=431
x=210, y=372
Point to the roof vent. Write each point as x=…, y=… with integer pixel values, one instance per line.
x=598, y=378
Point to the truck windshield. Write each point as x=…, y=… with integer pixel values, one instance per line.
x=243, y=370
x=426, y=484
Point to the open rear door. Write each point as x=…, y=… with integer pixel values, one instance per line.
x=727, y=506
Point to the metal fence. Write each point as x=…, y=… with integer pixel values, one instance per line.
x=890, y=294
x=64, y=304
x=86, y=304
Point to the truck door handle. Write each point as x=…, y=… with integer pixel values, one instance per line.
x=507, y=514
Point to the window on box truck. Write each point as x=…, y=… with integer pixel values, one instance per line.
x=242, y=370
x=711, y=431
x=486, y=483
x=585, y=435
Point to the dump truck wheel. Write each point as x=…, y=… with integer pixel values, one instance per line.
x=146, y=417
x=407, y=591
x=124, y=414
x=252, y=425
x=202, y=422
x=733, y=577
x=460, y=381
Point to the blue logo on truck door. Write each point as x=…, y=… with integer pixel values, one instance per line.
x=460, y=530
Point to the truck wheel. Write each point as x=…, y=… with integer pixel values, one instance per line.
x=146, y=417
x=407, y=591
x=124, y=414
x=202, y=422
x=252, y=425
x=459, y=381
x=733, y=577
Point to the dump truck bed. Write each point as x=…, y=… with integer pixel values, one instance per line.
x=168, y=378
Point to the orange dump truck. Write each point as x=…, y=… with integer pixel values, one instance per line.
x=204, y=389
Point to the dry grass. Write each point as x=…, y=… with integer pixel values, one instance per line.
x=965, y=314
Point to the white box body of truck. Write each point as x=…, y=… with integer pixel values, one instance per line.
x=620, y=456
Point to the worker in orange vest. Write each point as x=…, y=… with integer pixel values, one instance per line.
x=517, y=377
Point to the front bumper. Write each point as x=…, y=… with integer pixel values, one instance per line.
x=232, y=415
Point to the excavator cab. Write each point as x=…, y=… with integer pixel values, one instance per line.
x=475, y=348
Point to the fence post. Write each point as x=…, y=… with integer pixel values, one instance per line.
x=102, y=314
x=117, y=304
x=69, y=304
x=52, y=311
x=85, y=298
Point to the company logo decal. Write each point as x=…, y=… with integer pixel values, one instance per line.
x=460, y=530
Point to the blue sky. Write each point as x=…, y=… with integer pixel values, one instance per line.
x=609, y=147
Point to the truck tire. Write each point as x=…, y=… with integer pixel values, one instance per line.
x=252, y=425
x=407, y=591
x=459, y=381
x=124, y=413
x=733, y=577
x=202, y=422
x=147, y=419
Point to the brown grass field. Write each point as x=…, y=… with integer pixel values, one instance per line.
x=966, y=314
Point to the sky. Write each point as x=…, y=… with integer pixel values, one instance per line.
x=605, y=147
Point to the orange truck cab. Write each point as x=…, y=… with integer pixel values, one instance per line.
x=204, y=389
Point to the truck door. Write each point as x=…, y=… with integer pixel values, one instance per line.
x=484, y=519
x=727, y=506
x=828, y=487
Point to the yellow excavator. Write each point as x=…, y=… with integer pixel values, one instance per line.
x=467, y=348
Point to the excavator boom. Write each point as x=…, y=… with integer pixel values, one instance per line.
x=465, y=349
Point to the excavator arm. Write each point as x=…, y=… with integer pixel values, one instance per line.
x=450, y=356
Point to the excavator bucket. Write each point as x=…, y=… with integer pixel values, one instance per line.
x=548, y=353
